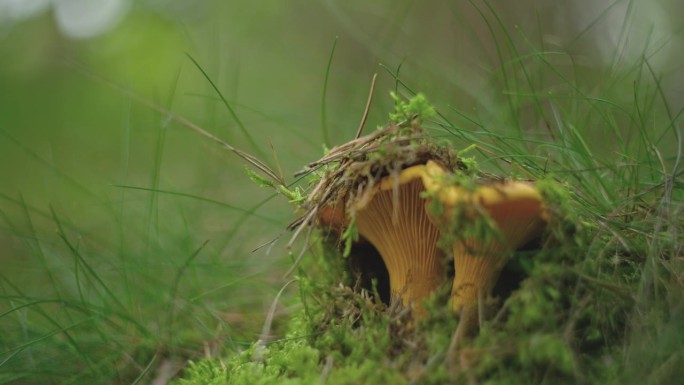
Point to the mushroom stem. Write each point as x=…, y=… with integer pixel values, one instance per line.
x=478, y=263
x=475, y=278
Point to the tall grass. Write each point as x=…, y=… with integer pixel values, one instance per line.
x=138, y=289
x=616, y=145
x=163, y=274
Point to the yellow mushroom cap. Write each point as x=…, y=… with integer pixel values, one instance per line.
x=515, y=209
x=391, y=215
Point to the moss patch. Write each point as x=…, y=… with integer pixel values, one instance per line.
x=581, y=304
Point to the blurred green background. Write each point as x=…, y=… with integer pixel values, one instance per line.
x=137, y=194
x=68, y=136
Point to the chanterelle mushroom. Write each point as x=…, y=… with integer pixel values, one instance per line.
x=392, y=216
x=512, y=212
x=374, y=184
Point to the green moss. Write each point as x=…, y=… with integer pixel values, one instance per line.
x=561, y=324
x=568, y=308
x=416, y=108
x=563, y=312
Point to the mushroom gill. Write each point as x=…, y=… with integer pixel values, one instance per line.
x=391, y=216
x=512, y=213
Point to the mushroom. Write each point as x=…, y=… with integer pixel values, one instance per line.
x=391, y=216
x=512, y=214
x=333, y=217
x=364, y=261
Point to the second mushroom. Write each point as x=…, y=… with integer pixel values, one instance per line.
x=509, y=214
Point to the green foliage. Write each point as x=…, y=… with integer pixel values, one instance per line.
x=258, y=179
x=206, y=372
x=104, y=284
x=349, y=236
x=347, y=337
x=294, y=196
x=566, y=321
x=470, y=166
x=416, y=108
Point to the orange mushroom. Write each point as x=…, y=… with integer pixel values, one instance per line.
x=391, y=215
x=333, y=217
x=513, y=214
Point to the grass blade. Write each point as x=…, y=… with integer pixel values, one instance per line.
x=324, y=97
x=239, y=123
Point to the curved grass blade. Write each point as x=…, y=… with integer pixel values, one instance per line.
x=324, y=112
x=241, y=125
